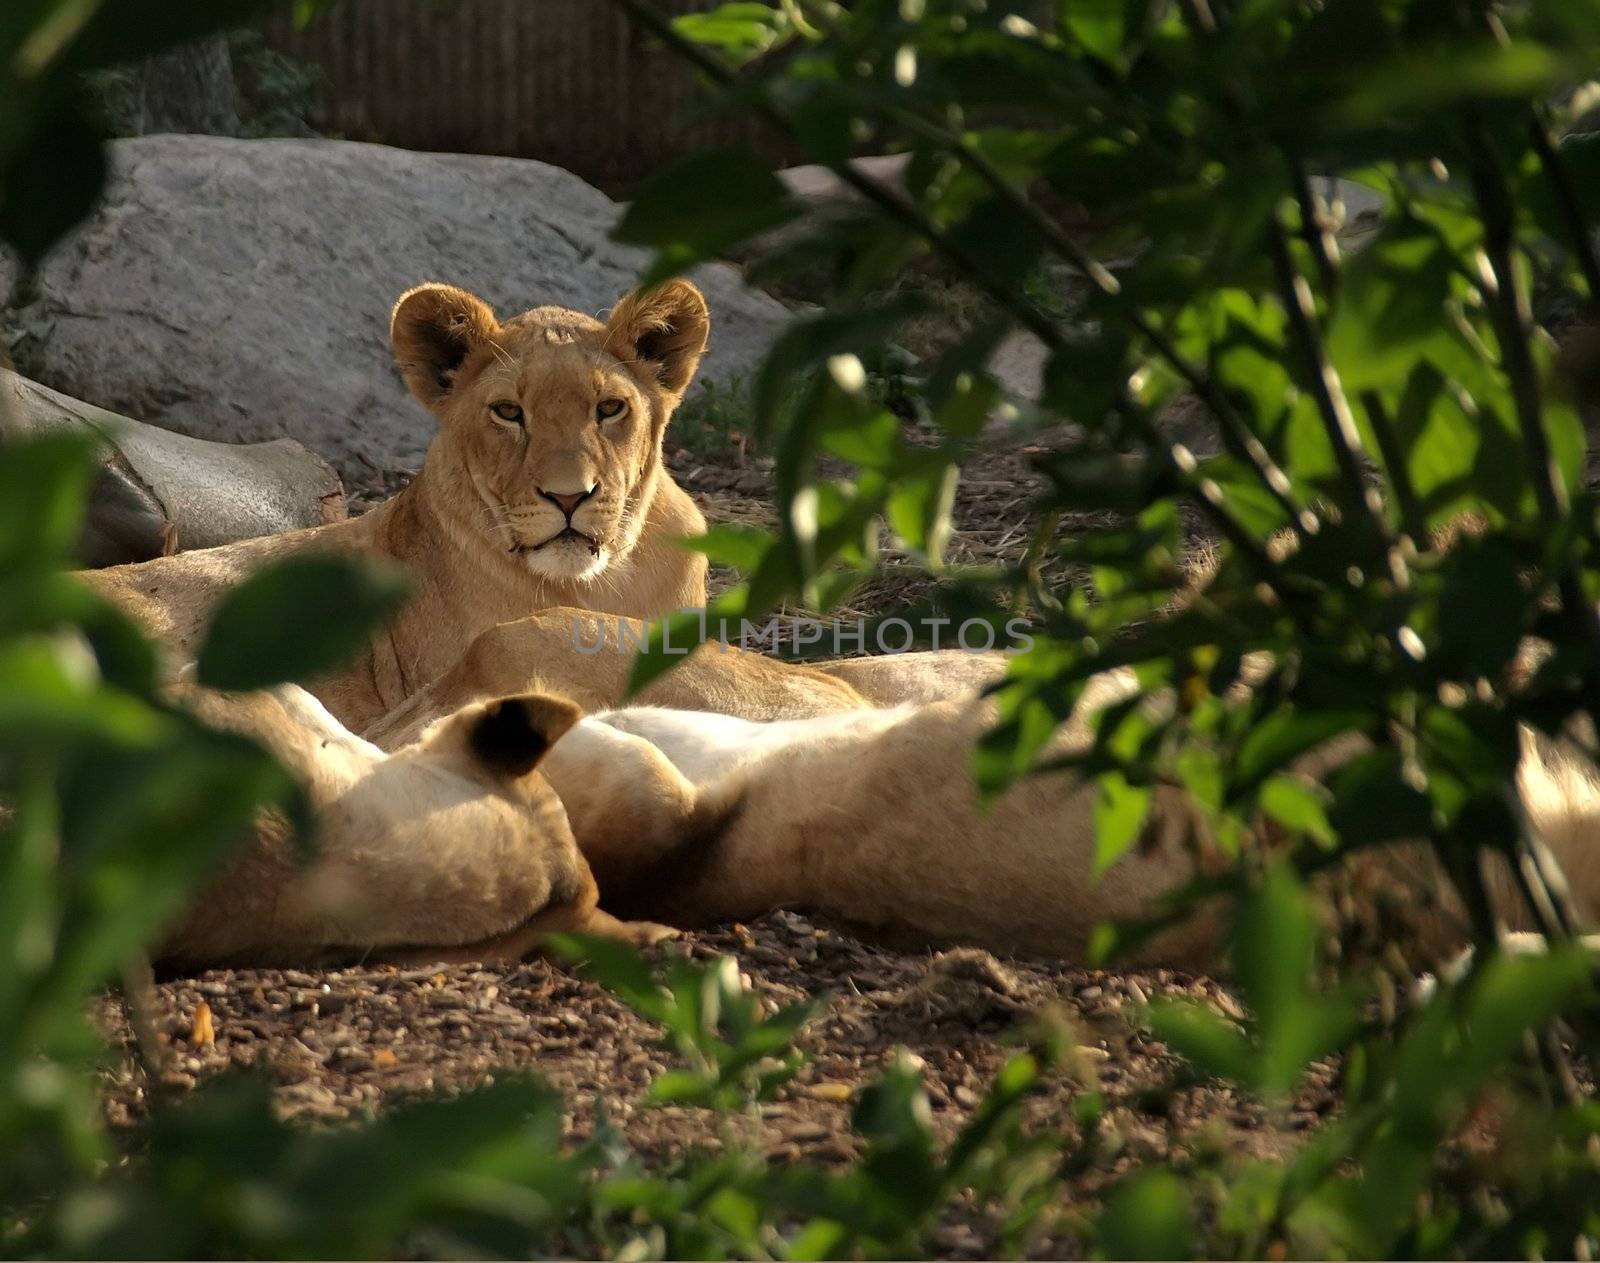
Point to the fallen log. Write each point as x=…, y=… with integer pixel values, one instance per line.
x=158, y=491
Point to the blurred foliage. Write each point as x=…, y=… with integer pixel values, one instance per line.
x=278, y=93
x=52, y=162
x=735, y=1053
x=117, y=807
x=1145, y=188
x=710, y=422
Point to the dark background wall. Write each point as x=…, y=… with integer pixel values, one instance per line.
x=571, y=82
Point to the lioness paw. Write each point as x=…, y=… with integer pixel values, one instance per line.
x=636, y=933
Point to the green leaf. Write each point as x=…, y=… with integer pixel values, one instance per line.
x=51, y=695
x=1434, y=79
x=44, y=489
x=616, y=966
x=143, y=828
x=673, y=638
x=1579, y=158
x=702, y=206
x=297, y=619
x=307, y=11
x=1295, y=804
x=680, y=1087
x=1032, y=705
x=1516, y=993
x=1451, y=453
x=1273, y=950
x=52, y=164
x=1375, y=801
x=127, y=30
x=893, y=1114
x=818, y=1240
x=731, y=544
x=919, y=510
x=51, y=184
x=1204, y=1038
x=1274, y=944
x=1391, y=306
x=1120, y=809
x=1148, y=1216
x=1251, y=504
x=1096, y=24
x=1484, y=609
x=743, y=29
x=1286, y=734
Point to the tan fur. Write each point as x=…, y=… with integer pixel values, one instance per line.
x=473, y=528
x=873, y=817
x=450, y=848
x=542, y=652
x=933, y=675
x=869, y=814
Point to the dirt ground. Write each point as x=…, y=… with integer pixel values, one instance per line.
x=347, y=1042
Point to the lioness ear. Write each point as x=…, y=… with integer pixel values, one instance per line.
x=513, y=734
x=432, y=330
x=666, y=327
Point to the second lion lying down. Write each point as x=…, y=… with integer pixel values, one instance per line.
x=686, y=817
x=873, y=816
x=452, y=847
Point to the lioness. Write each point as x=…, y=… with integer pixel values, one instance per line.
x=543, y=487
x=588, y=659
x=872, y=815
x=452, y=848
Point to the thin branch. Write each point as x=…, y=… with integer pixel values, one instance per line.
x=798, y=20
x=1462, y=865
x=1032, y=559
x=1237, y=436
x=1405, y=494
x=885, y=198
x=1199, y=14
x=1510, y=307
x=909, y=215
x=139, y=996
x=1545, y=898
x=1567, y=201
x=1314, y=229
x=1508, y=304
x=1326, y=388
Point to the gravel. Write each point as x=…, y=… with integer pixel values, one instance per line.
x=345, y=1043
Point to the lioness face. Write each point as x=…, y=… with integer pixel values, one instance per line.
x=551, y=423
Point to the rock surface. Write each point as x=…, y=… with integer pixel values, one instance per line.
x=240, y=289
x=9, y=271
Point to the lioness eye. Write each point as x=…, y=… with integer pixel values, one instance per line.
x=608, y=408
x=505, y=410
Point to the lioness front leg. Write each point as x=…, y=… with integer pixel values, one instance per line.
x=582, y=915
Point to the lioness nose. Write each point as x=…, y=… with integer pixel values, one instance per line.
x=568, y=501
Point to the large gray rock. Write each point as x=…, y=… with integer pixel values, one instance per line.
x=240, y=289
